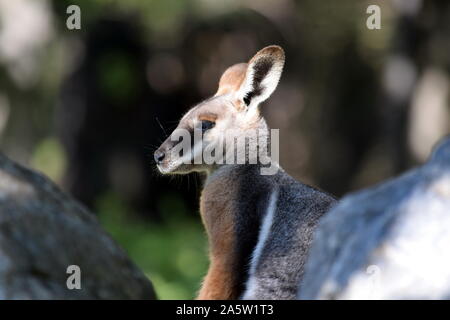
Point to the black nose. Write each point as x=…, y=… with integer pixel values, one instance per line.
x=159, y=156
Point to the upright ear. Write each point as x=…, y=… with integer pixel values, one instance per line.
x=262, y=76
x=231, y=79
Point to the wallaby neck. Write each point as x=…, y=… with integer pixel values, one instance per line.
x=230, y=214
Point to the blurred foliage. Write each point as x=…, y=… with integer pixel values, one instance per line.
x=172, y=253
x=117, y=77
x=49, y=157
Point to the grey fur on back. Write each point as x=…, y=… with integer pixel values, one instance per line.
x=275, y=273
x=387, y=242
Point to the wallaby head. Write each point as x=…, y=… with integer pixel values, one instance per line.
x=234, y=108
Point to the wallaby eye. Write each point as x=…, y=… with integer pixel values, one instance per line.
x=206, y=125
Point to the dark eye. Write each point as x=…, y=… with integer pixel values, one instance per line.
x=206, y=125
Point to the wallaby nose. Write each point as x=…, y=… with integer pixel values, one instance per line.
x=159, y=156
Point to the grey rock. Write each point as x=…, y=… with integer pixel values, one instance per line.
x=43, y=231
x=387, y=242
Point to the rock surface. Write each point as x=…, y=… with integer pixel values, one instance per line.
x=391, y=241
x=43, y=231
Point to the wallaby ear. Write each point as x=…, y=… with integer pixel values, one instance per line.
x=231, y=79
x=262, y=76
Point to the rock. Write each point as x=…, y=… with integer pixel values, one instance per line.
x=43, y=231
x=387, y=242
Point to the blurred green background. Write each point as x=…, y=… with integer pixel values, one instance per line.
x=88, y=107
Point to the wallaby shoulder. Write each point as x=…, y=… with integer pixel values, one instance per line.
x=234, y=204
x=286, y=233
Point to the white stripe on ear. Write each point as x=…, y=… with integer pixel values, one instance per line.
x=262, y=76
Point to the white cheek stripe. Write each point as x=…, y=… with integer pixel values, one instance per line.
x=189, y=158
x=264, y=232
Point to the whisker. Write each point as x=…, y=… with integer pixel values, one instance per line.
x=157, y=120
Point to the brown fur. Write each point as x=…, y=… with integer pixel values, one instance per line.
x=232, y=79
x=217, y=216
x=208, y=116
x=239, y=105
x=274, y=52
